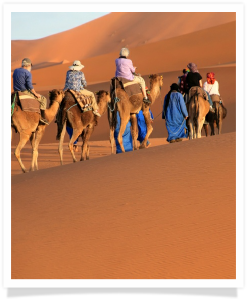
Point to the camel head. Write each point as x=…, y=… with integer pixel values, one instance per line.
x=156, y=80
x=56, y=95
x=103, y=96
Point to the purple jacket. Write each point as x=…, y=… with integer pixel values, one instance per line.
x=124, y=68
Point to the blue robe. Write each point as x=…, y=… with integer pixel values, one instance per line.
x=142, y=127
x=70, y=132
x=175, y=116
x=127, y=137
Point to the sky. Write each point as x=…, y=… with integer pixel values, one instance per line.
x=35, y=25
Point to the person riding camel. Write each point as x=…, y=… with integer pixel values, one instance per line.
x=125, y=69
x=195, y=79
x=75, y=80
x=183, y=86
x=22, y=81
x=212, y=86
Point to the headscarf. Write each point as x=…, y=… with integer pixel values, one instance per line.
x=193, y=67
x=185, y=71
x=210, y=78
x=173, y=87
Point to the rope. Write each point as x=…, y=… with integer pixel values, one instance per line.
x=178, y=129
x=71, y=107
x=116, y=100
x=13, y=106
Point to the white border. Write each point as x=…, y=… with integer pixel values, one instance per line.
x=106, y=283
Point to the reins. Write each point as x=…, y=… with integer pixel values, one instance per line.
x=13, y=106
x=116, y=100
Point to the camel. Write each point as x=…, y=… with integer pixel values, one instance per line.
x=205, y=126
x=28, y=126
x=128, y=107
x=83, y=123
x=216, y=119
x=198, y=109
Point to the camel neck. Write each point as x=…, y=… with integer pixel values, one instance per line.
x=102, y=107
x=51, y=111
x=155, y=92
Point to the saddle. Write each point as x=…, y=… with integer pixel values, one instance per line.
x=25, y=102
x=85, y=102
x=196, y=90
x=130, y=87
x=216, y=98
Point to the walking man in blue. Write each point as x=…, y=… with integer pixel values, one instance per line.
x=175, y=115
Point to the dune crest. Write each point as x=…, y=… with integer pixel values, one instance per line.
x=145, y=28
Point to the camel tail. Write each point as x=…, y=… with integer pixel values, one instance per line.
x=224, y=111
x=112, y=112
x=196, y=114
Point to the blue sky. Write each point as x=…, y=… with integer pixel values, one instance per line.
x=34, y=25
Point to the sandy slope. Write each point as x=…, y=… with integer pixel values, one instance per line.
x=108, y=34
x=102, y=219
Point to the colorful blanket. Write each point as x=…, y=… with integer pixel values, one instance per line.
x=28, y=103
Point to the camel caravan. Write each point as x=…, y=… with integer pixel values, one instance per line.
x=188, y=107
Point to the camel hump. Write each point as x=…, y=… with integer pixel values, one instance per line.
x=130, y=87
x=84, y=101
x=28, y=102
x=196, y=90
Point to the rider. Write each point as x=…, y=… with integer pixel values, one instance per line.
x=125, y=69
x=75, y=80
x=183, y=86
x=22, y=81
x=211, y=85
x=195, y=79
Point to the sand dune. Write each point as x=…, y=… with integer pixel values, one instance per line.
x=168, y=211
x=88, y=41
x=102, y=219
x=163, y=56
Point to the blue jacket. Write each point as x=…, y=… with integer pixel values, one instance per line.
x=22, y=80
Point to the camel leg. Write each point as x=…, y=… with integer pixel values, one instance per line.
x=212, y=128
x=191, y=129
x=60, y=147
x=134, y=130
x=219, y=126
x=23, y=140
x=32, y=141
x=199, y=127
x=149, y=129
x=206, y=129
x=76, y=134
x=87, y=155
x=85, y=147
x=112, y=140
x=37, y=137
x=123, y=125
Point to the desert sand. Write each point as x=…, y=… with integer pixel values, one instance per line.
x=164, y=212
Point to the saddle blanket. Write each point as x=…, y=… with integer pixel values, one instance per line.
x=215, y=98
x=28, y=103
x=198, y=90
x=84, y=101
x=129, y=86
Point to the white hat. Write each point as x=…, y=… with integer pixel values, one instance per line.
x=77, y=66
